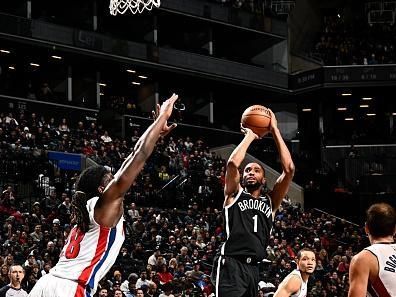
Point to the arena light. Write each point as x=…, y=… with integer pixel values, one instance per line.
x=101, y=94
x=142, y=76
x=102, y=84
x=364, y=106
x=394, y=113
x=34, y=64
x=367, y=98
x=56, y=57
x=341, y=108
x=349, y=119
x=346, y=94
x=306, y=109
x=4, y=51
x=131, y=71
x=371, y=114
x=11, y=67
x=136, y=83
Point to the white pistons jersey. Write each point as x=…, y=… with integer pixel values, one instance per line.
x=385, y=284
x=86, y=258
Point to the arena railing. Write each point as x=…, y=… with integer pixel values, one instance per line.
x=92, y=43
x=361, y=160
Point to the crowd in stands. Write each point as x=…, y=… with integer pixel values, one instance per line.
x=167, y=251
x=355, y=42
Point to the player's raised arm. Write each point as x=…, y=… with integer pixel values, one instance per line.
x=282, y=184
x=232, y=176
x=110, y=206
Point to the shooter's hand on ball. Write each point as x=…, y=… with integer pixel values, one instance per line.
x=249, y=133
x=274, y=122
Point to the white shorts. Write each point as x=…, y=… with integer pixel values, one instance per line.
x=52, y=286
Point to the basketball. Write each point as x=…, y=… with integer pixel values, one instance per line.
x=257, y=118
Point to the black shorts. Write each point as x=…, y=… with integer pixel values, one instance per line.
x=235, y=277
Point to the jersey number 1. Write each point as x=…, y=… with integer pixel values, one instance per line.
x=255, y=224
x=73, y=247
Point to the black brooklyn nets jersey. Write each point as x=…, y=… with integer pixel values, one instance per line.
x=248, y=224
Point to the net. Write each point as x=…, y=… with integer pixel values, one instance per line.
x=135, y=6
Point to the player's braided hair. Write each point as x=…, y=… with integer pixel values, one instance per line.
x=79, y=209
x=86, y=187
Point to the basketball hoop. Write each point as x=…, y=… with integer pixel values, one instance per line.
x=135, y=6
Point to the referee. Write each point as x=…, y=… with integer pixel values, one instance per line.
x=16, y=274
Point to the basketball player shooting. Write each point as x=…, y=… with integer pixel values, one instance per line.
x=97, y=208
x=249, y=216
x=373, y=271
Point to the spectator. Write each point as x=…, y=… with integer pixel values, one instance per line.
x=138, y=227
x=133, y=212
x=45, y=92
x=106, y=138
x=103, y=292
x=164, y=275
x=183, y=256
x=52, y=251
x=63, y=127
x=64, y=209
x=139, y=293
x=142, y=281
x=153, y=259
x=180, y=272
x=152, y=290
x=196, y=273
x=118, y=293
x=167, y=291
x=50, y=201
x=117, y=278
x=4, y=278
x=37, y=235
x=130, y=292
x=46, y=269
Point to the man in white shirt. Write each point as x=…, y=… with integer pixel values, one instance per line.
x=142, y=281
x=105, y=137
x=133, y=212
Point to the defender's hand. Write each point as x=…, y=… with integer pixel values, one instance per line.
x=166, y=109
x=167, y=106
